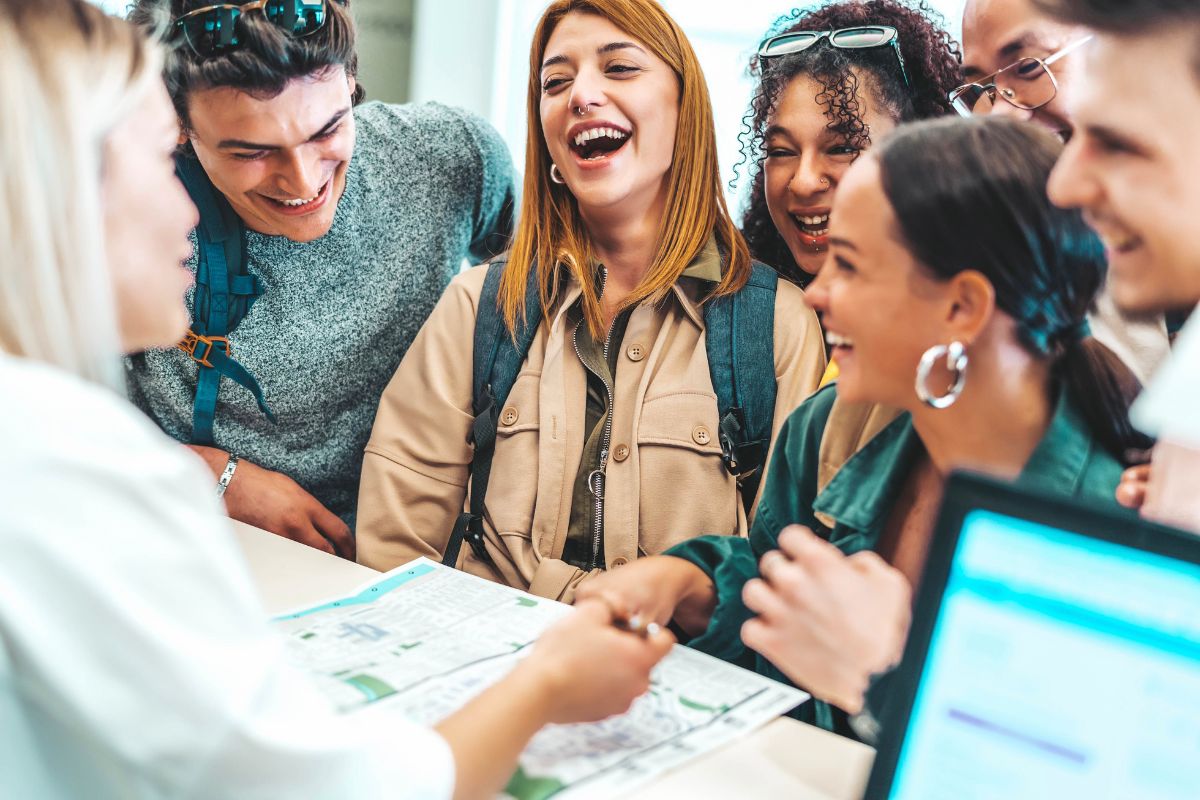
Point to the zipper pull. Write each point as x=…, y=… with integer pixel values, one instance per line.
x=596, y=483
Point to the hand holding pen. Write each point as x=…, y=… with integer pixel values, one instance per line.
x=637, y=624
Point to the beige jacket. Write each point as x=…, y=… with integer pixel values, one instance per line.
x=665, y=479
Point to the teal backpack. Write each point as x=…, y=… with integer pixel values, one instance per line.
x=741, y=360
x=225, y=291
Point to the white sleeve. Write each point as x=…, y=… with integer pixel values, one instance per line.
x=1166, y=409
x=135, y=645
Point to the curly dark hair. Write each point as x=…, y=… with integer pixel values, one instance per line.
x=934, y=64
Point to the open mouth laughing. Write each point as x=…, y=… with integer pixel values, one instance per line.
x=596, y=142
x=813, y=227
x=298, y=206
x=838, y=343
x=1116, y=238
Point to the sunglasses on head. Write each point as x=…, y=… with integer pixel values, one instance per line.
x=1027, y=84
x=861, y=38
x=212, y=30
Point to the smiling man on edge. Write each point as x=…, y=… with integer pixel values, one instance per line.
x=1020, y=62
x=1131, y=167
x=351, y=219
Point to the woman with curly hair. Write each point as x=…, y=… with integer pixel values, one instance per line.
x=831, y=81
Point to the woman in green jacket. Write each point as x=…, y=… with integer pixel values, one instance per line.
x=957, y=293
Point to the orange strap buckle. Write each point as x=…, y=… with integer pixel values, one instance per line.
x=193, y=341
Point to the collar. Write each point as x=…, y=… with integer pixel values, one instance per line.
x=861, y=493
x=1060, y=460
x=706, y=266
x=705, y=272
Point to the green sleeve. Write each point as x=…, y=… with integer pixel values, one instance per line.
x=787, y=498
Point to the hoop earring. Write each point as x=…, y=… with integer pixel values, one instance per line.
x=555, y=175
x=956, y=361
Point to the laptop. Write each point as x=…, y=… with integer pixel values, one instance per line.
x=1055, y=653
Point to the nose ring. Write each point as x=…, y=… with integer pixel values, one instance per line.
x=826, y=182
x=584, y=109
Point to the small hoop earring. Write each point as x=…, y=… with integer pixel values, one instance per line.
x=555, y=175
x=956, y=361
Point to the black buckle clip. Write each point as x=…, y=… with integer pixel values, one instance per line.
x=741, y=458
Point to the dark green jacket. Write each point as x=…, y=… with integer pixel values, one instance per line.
x=1068, y=460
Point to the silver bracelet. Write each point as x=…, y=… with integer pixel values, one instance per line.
x=227, y=475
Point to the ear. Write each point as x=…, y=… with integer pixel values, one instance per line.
x=972, y=305
x=352, y=82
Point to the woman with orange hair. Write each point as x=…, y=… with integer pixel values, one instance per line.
x=612, y=440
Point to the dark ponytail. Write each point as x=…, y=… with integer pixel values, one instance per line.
x=1104, y=389
x=971, y=194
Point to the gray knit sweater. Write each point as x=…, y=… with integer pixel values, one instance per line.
x=427, y=187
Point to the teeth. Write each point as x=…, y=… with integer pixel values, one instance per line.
x=596, y=133
x=299, y=202
x=821, y=220
x=834, y=340
x=1119, y=245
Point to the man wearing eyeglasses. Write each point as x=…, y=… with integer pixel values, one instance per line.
x=1132, y=168
x=1016, y=62
x=1020, y=62
x=350, y=218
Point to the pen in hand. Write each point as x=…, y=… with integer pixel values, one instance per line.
x=636, y=625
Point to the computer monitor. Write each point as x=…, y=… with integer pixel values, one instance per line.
x=1055, y=653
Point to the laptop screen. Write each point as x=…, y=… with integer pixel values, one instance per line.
x=1060, y=665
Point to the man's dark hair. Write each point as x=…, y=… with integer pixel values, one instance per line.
x=263, y=65
x=934, y=69
x=971, y=194
x=1122, y=16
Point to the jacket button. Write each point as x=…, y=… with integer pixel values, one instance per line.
x=509, y=416
x=619, y=562
x=635, y=352
x=700, y=435
x=620, y=453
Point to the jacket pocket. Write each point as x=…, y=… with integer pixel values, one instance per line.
x=683, y=419
x=685, y=488
x=512, y=486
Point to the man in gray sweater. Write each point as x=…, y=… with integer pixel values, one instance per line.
x=356, y=216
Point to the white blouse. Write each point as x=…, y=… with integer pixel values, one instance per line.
x=135, y=660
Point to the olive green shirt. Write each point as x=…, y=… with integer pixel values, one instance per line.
x=584, y=547
x=859, y=498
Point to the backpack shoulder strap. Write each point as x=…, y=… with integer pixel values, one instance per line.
x=497, y=355
x=740, y=336
x=223, y=296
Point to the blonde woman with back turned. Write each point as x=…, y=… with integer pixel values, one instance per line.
x=608, y=446
x=134, y=657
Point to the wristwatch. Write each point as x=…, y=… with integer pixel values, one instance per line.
x=227, y=475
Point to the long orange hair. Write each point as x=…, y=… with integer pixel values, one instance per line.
x=550, y=231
